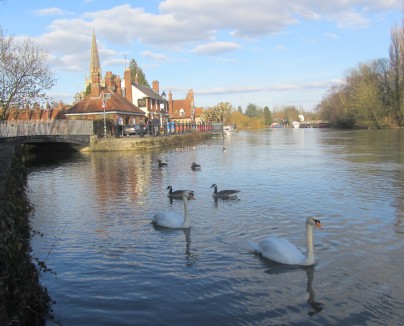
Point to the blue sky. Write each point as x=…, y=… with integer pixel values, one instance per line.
x=266, y=52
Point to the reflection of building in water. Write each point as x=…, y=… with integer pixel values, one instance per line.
x=116, y=175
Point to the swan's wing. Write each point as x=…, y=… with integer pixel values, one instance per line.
x=281, y=251
x=168, y=219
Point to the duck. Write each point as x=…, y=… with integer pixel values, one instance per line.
x=177, y=194
x=224, y=194
x=282, y=251
x=224, y=149
x=162, y=164
x=173, y=220
x=195, y=166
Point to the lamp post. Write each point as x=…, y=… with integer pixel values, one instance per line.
x=106, y=96
x=163, y=95
x=104, y=105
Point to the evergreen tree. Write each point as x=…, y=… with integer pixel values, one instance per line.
x=252, y=110
x=135, y=69
x=267, y=115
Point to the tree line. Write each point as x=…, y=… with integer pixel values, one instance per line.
x=372, y=94
x=254, y=116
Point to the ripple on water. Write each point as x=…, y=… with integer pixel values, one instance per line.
x=114, y=267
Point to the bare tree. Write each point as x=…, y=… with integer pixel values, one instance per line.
x=397, y=64
x=24, y=74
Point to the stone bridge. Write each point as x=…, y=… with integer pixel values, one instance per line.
x=73, y=132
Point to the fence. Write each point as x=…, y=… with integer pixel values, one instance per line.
x=39, y=128
x=184, y=127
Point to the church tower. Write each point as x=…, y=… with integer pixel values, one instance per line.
x=95, y=58
x=95, y=70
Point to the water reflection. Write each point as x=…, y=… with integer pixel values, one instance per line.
x=190, y=257
x=276, y=269
x=317, y=306
x=225, y=199
x=371, y=156
x=109, y=249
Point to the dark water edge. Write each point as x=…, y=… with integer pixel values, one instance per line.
x=23, y=300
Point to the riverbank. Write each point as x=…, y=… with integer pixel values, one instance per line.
x=148, y=142
x=23, y=300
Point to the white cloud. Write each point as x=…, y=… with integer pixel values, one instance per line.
x=323, y=85
x=331, y=36
x=215, y=48
x=50, y=12
x=155, y=56
x=218, y=33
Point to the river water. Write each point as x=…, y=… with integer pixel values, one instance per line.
x=113, y=267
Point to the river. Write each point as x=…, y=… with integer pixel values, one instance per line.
x=113, y=267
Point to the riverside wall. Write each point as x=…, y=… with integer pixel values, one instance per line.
x=148, y=142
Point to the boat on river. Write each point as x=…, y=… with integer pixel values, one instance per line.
x=230, y=130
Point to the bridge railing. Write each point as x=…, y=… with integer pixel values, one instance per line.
x=40, y=128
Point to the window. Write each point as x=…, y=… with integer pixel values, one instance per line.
x=182, y=112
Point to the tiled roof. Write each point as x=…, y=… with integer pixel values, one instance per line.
x=148, y=92
x=93, y=105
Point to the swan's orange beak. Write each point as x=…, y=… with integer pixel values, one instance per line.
x=319, y=226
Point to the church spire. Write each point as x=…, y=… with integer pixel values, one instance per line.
x=94, y=59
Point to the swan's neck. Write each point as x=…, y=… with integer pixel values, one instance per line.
x=187, y=221
x=215, y=191
x=310, y=254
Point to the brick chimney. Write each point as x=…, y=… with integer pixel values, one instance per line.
x=155, y=86
x=190, y=97
x=118, y=85
x=95, y=84
x=108, y=80
x=170, y=103
x=128, y=85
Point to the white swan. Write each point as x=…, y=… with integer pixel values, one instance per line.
x=174, y=220
x=282, y=251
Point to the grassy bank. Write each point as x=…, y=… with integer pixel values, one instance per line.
x=23, y=301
